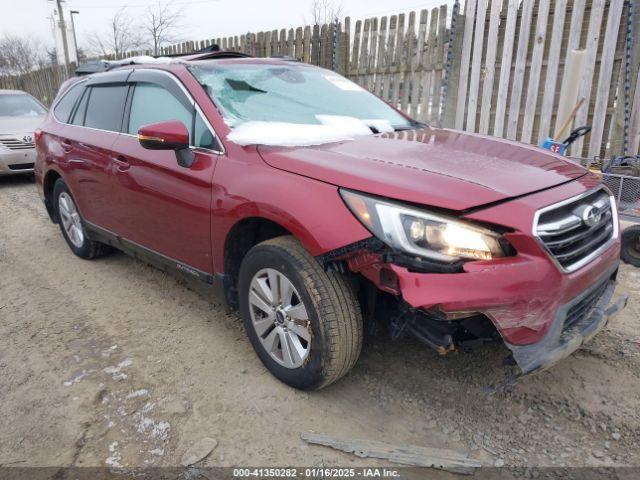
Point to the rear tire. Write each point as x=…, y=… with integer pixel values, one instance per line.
x=630, y=252
x=314, y=312
x=72, y=225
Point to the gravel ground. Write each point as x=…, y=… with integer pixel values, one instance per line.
x=111, y=362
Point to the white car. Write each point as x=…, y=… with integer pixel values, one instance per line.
x=20, y=115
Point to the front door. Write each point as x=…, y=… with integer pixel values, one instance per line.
x=162, y=206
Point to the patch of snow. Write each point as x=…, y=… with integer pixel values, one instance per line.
x=148, y=407
x=381, y=125
x=161, y=430
x=109, y=351
x=116, y=372
x=142, y=59
x=158, y=452
x=114, y=459
x=77, y=379
x=137, y=393
x=144, y=424
x=158, y=430
x=333, y=128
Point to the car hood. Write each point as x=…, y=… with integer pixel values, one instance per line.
x=19, y=125
x=437, y=167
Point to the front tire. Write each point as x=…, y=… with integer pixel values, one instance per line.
x=304, y=323
x=72, y=225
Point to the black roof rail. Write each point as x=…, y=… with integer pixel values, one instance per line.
x=92, y=67
x=210, y=49
x=206, y=53
x=220, y=55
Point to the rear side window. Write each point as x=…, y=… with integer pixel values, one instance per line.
x=78, y=116
x=105, y=107
x=152, y=103
x=63, y=108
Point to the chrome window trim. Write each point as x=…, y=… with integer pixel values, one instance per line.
x=53, y=107
x=589, y=258
x=189, y=97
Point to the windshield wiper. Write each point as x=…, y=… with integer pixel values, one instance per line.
x=413, y=125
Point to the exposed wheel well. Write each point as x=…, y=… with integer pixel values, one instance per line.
x=47, y=185
x=243, y=236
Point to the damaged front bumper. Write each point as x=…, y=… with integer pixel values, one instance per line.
x=576, y=322
x=542, y=314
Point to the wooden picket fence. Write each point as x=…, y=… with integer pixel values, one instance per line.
x=495, y=68
x=42, y=84
x=511, y=70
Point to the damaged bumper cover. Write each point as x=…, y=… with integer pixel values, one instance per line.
x=576, y=323
x=542, y=314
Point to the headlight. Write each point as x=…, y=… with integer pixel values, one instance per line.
x=423, y=233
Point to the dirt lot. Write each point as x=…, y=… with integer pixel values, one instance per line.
x=111, y=362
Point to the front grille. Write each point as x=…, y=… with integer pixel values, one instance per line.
x=15, y=144
x=585, y=307
x=21, y=166
x=574, y=230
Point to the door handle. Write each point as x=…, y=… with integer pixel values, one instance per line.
x=121, y=162
x=66, y=146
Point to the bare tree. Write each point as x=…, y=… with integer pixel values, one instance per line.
x=160, y=26
x=120, y=37
x=20, y=54
x=325, y=11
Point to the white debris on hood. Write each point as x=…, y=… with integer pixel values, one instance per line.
x=333, y=128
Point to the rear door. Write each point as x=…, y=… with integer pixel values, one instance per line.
x=160, y=205
x=94, y=126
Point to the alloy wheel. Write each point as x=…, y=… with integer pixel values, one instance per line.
x=71, y=221
x=280, y=318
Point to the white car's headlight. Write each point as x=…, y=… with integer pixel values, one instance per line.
x=423, y=233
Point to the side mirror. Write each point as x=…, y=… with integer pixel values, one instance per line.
x=170, y=135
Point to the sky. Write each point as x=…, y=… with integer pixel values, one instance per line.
x=202, y=18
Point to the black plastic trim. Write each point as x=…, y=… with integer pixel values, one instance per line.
x=214, y=284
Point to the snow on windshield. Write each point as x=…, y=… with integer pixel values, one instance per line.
x=294, y=104
x=332, y=128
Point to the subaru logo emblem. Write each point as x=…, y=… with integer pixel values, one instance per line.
x=591, y=216
x=27, y=139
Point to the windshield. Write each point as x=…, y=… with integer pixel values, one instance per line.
x=19, y=105
x=295, y=93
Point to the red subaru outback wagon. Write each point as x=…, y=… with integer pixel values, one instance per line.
x=320, y=212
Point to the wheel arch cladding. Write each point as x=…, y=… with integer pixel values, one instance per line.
x=242, y=237
x=48, y=183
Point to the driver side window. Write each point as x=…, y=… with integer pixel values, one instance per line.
x=152, y=103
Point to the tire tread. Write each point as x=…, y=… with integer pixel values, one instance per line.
x=337, y=306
